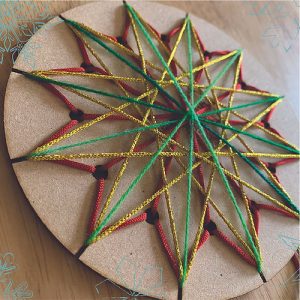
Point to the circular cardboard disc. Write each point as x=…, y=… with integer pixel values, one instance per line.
x=62, y=197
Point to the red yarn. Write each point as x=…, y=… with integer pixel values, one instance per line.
x=96, y=210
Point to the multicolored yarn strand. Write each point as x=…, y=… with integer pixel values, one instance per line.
x=199, y=109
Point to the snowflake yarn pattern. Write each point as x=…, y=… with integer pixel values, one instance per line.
x=17, y=27
x=205, y=126
x=11, y=292
x=139, y=281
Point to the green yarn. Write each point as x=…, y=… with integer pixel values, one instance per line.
x=263, y=101
x=126, y=61
x=91, y=141
x=190, y=157
x=134, y=183
x=83, y=88
x=221, y=74
x=253, y=166
x=231, y=195
x=254, y=136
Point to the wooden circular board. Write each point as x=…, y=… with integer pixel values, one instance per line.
x=63, y=197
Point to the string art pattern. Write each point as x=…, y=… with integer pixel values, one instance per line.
x=195, y=124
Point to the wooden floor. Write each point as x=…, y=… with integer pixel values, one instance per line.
x=50, y=270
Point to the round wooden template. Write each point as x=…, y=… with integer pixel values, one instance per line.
x=63, y=197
